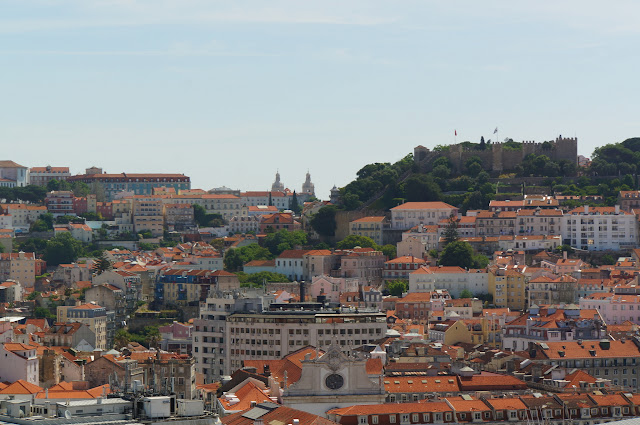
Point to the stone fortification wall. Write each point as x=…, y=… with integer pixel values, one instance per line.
x=499, y=158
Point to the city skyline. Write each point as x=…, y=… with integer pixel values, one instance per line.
x=227, y=94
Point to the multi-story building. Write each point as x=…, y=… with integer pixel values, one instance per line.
x=242, y=224
x=600, y=228
x=465, y=226
x=19, y=361
x=23, y=215
x=418, y=305
x=496, y=223
x=14, y=174
x=90, y=314
x=365, y=264
x=274, y=198
x=617, y=361
x=629, y=200
x=137, y=184
x=227, y=333
x=614, y=308
x=411, y=214
x=210, y=344
x=553, y=289
x=553, y=324
x=291, y=264
x=401, y=267
x=177, y=338
x=279, y=221
x=371, y=227
x=452, y=278
x=60, y=202
x=418, y=241
x=538, y=222
x=40, y=176
x=169, y=371
x=508, y=288
x=178, y=216
x=68, y=335
x=20, y=267
x=147, y=214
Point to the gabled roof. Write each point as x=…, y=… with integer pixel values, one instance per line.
x=21, y=387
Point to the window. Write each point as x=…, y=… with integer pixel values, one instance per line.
x=374, y=419
x=404, y=418
x=392, y=419
x=362, y=420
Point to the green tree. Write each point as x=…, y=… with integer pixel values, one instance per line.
x=608, y=260
x=457, y=253
x=43, y=313
x=39, y=226
x=293, y=204
x=257, y=280
x=451, y=231
x=389, y=250
x=53, y=185
x=101, y=265
x=236, y=258
x=324, y=221
x=353, y=241
x=421, y=188
x=62, y=249
x=397, y=287
x=282, y=240
x=466, y=294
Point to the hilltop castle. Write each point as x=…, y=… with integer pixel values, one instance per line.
x=497, y=157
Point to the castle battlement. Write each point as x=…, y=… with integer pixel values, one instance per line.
x=495, y=157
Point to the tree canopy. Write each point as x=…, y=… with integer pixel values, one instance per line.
x=324, y=221
x=235, y=258
x=282, y=240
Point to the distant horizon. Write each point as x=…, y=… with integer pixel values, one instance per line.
x=283, y=177
x=227, y=93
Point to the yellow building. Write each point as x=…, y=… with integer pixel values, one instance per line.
x=508, y=288
x=370, y=227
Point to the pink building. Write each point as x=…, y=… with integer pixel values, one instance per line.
x=614, y=308
x=176, y=338
x=366, y=264
x=331, y=287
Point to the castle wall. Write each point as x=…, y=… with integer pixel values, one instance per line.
x=497, y=158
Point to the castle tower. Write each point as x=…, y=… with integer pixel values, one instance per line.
x=335, y=195
x=277, y=185
x=307, y=186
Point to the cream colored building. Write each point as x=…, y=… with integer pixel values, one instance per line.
x=370, y=227
x=20, y=267
x=90, y=314
x=148, y=214
x=410, y=214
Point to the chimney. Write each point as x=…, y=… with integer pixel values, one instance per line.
x=617, y=209
x=302, y=292
x=564, y=255
x=296, y=421
x=586, y=209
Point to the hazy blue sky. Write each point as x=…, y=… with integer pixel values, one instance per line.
x=228, y=92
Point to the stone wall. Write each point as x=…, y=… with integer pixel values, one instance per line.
x=496, y=158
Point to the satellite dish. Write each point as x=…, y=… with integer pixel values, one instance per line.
x=67, y=414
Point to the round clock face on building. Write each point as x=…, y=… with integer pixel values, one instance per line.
x=334, y=381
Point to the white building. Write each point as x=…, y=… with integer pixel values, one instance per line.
x=600, y=228
x=13, y=173
x=454, y=279
x=19, y=361
x=410, y=214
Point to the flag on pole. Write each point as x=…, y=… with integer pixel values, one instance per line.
x=455, y=132
x=495, y=131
